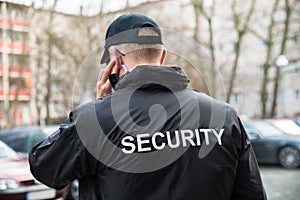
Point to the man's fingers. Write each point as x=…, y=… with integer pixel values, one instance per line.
x=100, y=74
x=107, y=87
x=115, y=69
x=104, y=89
x=106, y=72
x=103, y=85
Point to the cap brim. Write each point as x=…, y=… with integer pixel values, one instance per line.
x=105, y=57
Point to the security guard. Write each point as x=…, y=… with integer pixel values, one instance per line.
x=152, y=137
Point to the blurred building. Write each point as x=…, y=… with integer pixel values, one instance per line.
x=28, y=69
x=247, y=86
x=40, y=61
x=179, y=15
x=15, y=73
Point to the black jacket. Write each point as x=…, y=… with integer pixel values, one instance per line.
x=153, y=138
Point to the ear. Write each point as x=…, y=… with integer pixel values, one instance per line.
x=117, y=57
x=163, y=56
x=119, y=61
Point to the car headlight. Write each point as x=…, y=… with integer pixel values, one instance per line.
x=6, y=184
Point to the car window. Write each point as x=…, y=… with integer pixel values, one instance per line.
x=15, y=141
x=287, y=126
x=297, y=121
x=6, y=152
x=251, y=132
x=33, y=140
x=265, y=128
x=23, y=140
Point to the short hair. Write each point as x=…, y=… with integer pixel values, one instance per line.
x=141, y=52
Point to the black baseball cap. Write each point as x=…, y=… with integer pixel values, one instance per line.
x=125, y=29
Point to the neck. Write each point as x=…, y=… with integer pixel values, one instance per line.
x=131, y=66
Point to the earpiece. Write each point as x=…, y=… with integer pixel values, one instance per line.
x=124, y=68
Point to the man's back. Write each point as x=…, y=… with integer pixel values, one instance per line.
x=157, y=139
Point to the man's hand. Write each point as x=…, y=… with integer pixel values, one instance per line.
x=103, y=85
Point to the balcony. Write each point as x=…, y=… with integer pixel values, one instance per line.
x=16, y=71
x=15, y=47
x=23, y=94
x=17, y=25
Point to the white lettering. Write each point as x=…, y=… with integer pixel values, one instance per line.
x=139, y=138
x=186, y=138
x=170, y=140
x=218, y=135
x=128, y=144
x=187, y=135
x=206, y=131
x=198, y=140
x=154, y=141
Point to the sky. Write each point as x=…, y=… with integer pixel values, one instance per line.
x=90, y=7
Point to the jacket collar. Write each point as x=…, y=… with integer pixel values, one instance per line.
x=145, y=76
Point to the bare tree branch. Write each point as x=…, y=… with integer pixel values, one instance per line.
x=282, y=52
x=256, y=34
x=269, y=43
x=240, y=28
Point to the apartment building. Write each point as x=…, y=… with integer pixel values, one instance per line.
x=38, y=67
x=15, y=72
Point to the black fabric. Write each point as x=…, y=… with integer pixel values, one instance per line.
x=228, y=172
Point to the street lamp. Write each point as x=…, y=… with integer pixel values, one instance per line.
x=281, y=61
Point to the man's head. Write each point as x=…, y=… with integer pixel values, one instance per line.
x=136, y=38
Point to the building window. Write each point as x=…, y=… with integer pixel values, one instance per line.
x=279, y=15
x=297, y=95
x=262, y=44
x=237, y=98
x=239, y=71
x=220, y=47
x=260, y=71
x=295, y=66
x=297, y=69
x=280, y=97
x=296, y=38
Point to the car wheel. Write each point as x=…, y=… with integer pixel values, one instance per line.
x=289, y=157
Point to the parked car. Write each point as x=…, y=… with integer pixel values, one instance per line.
x=22, y=139
x=296, y=120
x=271, y=145
x=16, y=181
x=286, y=125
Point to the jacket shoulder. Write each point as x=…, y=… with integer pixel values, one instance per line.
x=215, y=105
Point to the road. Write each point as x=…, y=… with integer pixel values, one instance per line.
x=280, y=183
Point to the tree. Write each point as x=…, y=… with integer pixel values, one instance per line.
x=42, y=57
x=50, y=57
x=268, y=41
x=274, y=33
x=288, y=8
x=241, y=29
x=199, y=9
